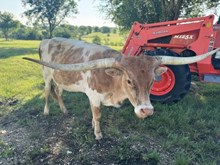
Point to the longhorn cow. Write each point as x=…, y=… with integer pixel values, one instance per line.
x=106, y=76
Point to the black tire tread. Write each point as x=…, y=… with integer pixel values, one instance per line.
x=179, y=90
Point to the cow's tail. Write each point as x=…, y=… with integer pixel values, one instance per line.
x=39, y=52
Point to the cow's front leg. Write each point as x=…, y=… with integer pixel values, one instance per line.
x=96, y=115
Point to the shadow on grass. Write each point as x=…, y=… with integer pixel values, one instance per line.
x=11, y=52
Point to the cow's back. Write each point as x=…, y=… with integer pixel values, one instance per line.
x=68, y=51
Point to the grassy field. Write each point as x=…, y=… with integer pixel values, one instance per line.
x=116, y=41
x=184, y=133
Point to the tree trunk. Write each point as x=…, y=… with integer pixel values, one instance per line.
x=178, y=8
x=175, y=9
x=50, y=28
x=172, y=10
x=5, y=33
x=164, y=11
x=50, y=31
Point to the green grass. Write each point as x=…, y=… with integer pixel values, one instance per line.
x=184, y=133
x=18, y=76
x=116, y=41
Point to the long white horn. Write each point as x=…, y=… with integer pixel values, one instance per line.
x=95, y=64
x=169, y=60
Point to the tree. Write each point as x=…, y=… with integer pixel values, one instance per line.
x=89, y=29
x=82, y=30
x=114, y=30
x=96, y=29
x=125, y=12
x=96, y=40
x=34, y=34
x=63, y=31
x=7, y=24
x=197, y=8
x=50, y=13
x=27, y=33
x=105, y=29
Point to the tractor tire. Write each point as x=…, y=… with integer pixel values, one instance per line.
x=174, y=84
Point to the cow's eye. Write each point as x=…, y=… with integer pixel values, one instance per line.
x=129, y=82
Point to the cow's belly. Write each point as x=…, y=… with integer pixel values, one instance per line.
x=72, y=88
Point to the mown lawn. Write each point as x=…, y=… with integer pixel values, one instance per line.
x=187, y=132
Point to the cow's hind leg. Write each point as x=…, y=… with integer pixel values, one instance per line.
x=59, y=92
x=96, y=114
x=47, y=94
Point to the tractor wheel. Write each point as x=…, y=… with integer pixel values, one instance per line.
x=174, y=84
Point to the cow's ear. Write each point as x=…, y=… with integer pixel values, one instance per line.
x=160, y=70
x=113, y=72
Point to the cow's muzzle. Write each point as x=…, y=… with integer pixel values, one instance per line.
x=143, y=111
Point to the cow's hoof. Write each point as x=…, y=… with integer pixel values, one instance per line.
x=98, y=136
x=46, y=113
x=65, y=112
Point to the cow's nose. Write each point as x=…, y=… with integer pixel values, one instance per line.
x=143, y=112
x=146, y=112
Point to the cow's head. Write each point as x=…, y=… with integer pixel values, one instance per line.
x=138, y=75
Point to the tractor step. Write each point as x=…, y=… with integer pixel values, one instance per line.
x=211, y=78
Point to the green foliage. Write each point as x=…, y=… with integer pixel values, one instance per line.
x=125, y=12
x=20, y=31
x=83, y=30
x=51, y=13
x=7, y=23
x=37, y=32
x=105, y=29
x=27, y=33
x=96, y=29
x=62, y=31
x=96, y=40
x=114, y=30
x=195, y=8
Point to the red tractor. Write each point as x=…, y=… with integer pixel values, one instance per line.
x=187, y=37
